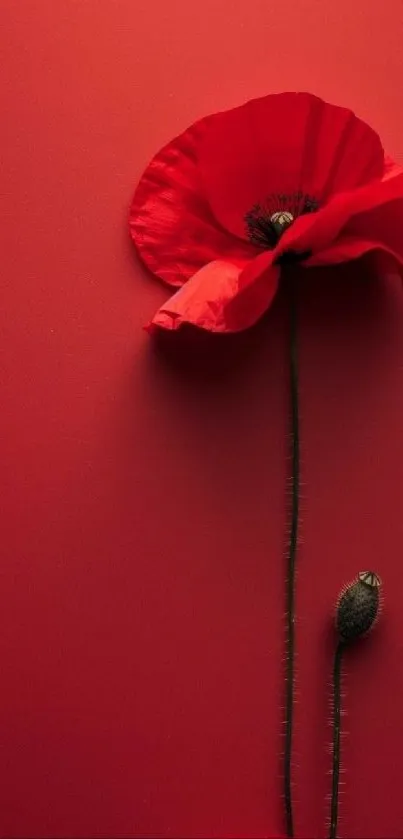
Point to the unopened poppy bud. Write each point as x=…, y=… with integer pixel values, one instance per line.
x=358, y=606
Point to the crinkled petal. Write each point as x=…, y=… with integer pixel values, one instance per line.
x=214, y=299
x=171, y=221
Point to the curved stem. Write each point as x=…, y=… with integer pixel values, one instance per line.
x=291, y=561
x=336, y=738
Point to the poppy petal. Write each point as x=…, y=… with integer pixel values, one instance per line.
x=257, y=286
x=213, y=300
x=280, y=145
x=349, y=247
x=383, y=223
x=317, y=231
x=171, y=221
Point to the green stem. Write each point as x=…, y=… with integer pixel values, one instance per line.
x=291, y=562
x=336, y=738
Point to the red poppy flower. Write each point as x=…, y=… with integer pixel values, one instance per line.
x=225, y=204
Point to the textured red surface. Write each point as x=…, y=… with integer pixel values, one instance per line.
x=141, y=593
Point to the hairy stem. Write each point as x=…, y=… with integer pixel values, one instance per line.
x=291, y=562
x=336, y=738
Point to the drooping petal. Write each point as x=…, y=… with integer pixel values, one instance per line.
x=171, y=222
x=213, y=300
x=280, y=145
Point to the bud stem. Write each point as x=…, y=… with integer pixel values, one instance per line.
x=336, y=738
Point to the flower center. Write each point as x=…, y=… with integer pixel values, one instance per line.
x=280, y=221
x=266, y=222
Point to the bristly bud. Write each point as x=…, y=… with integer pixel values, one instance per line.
x=358, y=606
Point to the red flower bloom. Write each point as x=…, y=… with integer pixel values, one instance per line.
x=221, y=207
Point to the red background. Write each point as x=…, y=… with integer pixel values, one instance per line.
x=143, y=504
